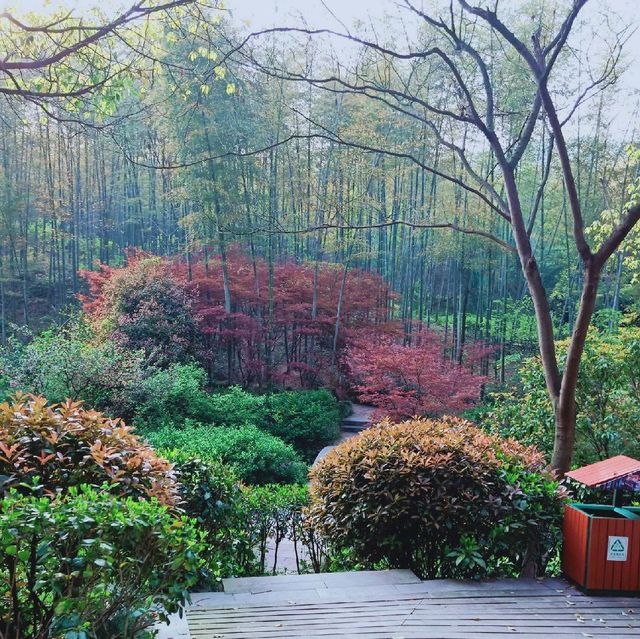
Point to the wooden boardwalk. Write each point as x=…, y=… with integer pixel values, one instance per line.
x=397, y=605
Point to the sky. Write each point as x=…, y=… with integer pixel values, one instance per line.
x=341, y=14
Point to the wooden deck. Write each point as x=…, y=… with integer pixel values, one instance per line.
x=397, y=605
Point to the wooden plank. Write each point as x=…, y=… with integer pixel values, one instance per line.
x=420, y=611
x=393, y=622
x=438, y=632
x=455, y=611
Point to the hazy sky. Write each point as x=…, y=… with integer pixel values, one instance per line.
x=257, y=14
x=265, y=13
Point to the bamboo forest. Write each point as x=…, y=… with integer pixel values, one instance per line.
x=291, y=287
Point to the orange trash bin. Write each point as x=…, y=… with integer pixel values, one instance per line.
x=601, y=543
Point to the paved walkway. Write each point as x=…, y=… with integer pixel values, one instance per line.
x=359, y=419
x=397, y=605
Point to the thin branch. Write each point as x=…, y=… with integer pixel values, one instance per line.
x=617, y=236
x=359, y=227
x=136, y=12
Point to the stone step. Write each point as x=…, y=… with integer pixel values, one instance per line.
x=353, y=425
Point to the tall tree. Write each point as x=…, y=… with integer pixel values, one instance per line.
x=497, y=109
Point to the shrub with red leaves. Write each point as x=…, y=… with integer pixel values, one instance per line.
x=407, y=380
x=64, y=445
x=440, y=497
x=145, y=307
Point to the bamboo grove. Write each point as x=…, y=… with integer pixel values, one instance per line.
x=284, y=171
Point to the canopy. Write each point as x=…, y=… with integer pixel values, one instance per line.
x=618, y=472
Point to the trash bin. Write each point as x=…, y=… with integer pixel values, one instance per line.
x=601, y=543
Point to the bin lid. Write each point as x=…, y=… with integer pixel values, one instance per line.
x=618, y=472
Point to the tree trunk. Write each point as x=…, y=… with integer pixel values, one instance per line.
x=565, y=407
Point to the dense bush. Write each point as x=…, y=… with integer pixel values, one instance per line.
x=173, y=395
x=234, y=407
x=255, y=456
x=308, y=420
x=607, y=396
x=211, y=495
x=69, y=363
x=440, y=497
x=64, y=445
x=144, y=307
x=88, y=565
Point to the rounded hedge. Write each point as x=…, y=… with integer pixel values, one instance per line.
x=308, y=420
x=255, y=456
x=65, y=445
x=440, y=497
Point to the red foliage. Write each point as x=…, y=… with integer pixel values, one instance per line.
x=409, y=380
x=262, y=340
x=144, y=306
x=277, y=338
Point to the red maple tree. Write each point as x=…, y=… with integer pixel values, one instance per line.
x=405, y=380
x=285, y=334
x=272, y=335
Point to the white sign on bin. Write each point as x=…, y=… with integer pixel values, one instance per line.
x=617, y=548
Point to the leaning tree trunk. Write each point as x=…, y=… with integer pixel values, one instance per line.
x=565, y=408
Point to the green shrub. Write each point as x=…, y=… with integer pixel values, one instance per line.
x=172, y=395
x=308, y=420
x=90, y=565
x=607, y=398
x=64, y=445
x=211, y=495
x=440, y=497
x=236, y=407
x=69, y=363
x=255, y=456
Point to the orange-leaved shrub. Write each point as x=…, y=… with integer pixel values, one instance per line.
x=64, y=445
x=440, y=497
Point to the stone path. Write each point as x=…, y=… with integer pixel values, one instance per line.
x=360, y=418
x=397, y=605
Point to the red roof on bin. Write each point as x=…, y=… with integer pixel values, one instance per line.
x=605, y=471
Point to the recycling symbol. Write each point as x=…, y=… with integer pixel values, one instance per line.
x=617, y=546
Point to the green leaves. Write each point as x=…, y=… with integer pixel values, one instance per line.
x=255, y=456
x=100, y=562
x=607, y=399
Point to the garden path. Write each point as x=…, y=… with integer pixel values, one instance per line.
x=395, y=604
x=360, y=418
